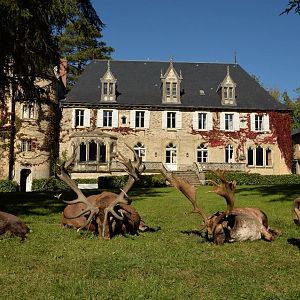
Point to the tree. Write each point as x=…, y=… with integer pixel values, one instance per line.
x=29, y=48
x=293, y=5
x=79, y=43
x=295, y=106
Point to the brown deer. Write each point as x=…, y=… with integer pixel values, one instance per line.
x=106, y=214
x=296, y=211
x=235, y=224
x=13, y=225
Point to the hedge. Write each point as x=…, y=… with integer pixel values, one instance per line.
x=8, y=186
x=257, y=179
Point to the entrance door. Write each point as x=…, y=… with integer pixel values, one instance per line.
x=25, y=180
x=171, y=157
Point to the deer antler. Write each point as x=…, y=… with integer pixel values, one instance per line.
x=134, y=169
x=225, y=189
x=296, y=211
x=63, y=175
x=188, y=190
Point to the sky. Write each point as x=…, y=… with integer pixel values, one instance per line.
x=266, y=44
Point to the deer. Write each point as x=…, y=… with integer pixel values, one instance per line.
x=296, y=211
x=232, y=225
x=106, y=214
x=13, y=225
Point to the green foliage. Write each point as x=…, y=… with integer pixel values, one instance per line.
x=175, y=262
x=294, y=6
x=257, y=179
x=8, y=186
x=79, y=43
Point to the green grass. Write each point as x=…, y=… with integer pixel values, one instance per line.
x=173, y=262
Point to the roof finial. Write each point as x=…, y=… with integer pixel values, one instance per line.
x=235, y=55
x=171, y=61
x=108, y=65
x=228, y=71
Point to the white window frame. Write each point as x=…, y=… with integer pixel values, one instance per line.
x=26, y=145
x=140, y=150
x=28, y=111
x=208, y=122
x=176, y=124
x=264, y=158
x=235, y=121
x=133, y=119
x=229, y=152
x=265, y=123
x=201, y=151
x=114, y=118
x=85, y=117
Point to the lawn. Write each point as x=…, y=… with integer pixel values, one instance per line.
x=172, y=262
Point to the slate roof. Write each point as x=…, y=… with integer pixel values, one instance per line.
x=139, y=84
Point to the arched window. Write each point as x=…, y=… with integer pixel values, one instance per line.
x=229, y=154
x=82, y=152
x=250, y=157
x=269, y=157
x=92, y=151
x=202, y=153
x=139, y=148
x=102, y=153
x=259, y=156
x=171, y=152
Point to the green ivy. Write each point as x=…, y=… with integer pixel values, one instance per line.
x=8, y=186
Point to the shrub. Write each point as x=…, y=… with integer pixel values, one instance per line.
x=8, y=186
x=257, y=179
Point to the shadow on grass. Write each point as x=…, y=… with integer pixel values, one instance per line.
x=294, y=242
x=44, y=203
x=282, y=192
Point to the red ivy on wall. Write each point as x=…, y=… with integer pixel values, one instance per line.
x=280, y=124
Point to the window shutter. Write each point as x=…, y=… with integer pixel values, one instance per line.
x=195, y=120
x=87, y=121
x=73, y=118
x=209, y=121
x=222, y=121
x=266, y=123
x=236, y=121
x=132, y=119
x=147, y=119
x=164, y=119
x=115, y=118
x=252, y=119
x=178, y=120
x=100, y=118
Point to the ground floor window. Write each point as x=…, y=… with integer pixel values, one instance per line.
x=259, y=156
x=229, y=154
x=171, y=153
x=140, y=150
x=92, y=151
x=202, y=154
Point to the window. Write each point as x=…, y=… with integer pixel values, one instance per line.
x=124, y=120
x=168, y=89
x=92, y=151
x=79, y=117
x=28, y=111
x=259, y=156
x=107, y=118
x=226, y=90
x=228, y=121
x=102, y=153
x=26, y=145
x=140, y=150
x=250, y=157
x=202, y=120
x=171, y=154
x=108, y=88
x=202, y=154
x=174, y=89
x=82, y=152
x=260, y=122
x=171, y=119
x=140, y=119
x=229, y=154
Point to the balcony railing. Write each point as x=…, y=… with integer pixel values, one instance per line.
x=202, y=167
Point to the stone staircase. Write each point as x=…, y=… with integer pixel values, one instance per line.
x=190, y=176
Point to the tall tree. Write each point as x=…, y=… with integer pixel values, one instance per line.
x=79, y=43
x=293, y=5
x=29, y=47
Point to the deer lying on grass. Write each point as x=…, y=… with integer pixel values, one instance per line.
x=233, y=225
x=106, y=214
x=13, y=225
x=296, y=211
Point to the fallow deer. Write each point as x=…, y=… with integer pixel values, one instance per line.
x=13, y=225
x=235, y=224
x=106, y=214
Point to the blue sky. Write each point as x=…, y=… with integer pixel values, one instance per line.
x=267, y=45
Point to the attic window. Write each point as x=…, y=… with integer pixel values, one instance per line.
x=227, y=90
x=108, y=85
x=171, y=85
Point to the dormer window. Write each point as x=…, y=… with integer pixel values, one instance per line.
x=226, y=90
x=108, y=87
x=171, y=85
